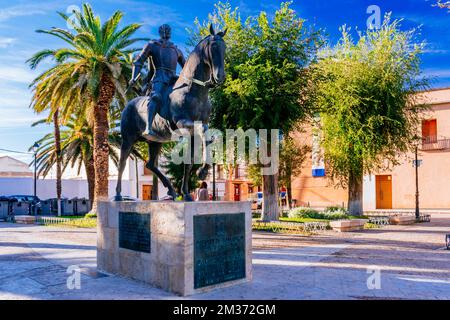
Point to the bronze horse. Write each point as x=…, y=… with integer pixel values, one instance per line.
x=185, y=103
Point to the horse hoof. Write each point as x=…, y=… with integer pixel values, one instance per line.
x=187, y=198
x=118, y=198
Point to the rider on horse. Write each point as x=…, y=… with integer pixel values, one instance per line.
x=163, y=57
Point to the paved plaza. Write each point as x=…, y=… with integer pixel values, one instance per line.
x=411, y=260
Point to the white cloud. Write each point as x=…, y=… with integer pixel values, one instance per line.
x=439, y=73
x=6, y=42
x=17, y=73
x=20, y=11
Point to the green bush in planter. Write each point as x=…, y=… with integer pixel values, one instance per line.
x=302, y=212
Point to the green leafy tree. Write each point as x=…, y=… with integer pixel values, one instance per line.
x=292, y=156
x=370, y=115
x=266, y=62
x=89, y=73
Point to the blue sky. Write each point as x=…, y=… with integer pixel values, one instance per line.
x=18, y=40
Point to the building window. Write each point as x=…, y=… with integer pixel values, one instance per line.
x=236, y=172
x=429, y=131
x=250, y=188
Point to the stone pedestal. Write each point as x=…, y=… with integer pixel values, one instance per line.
x=402, y=220
x=181, y=247
x=348, y=225
x=25, y=219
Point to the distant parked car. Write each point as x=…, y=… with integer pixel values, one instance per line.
x=35, y=202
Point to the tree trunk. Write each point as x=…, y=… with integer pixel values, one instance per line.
x=101, y=147
x=90, y=174
x=289, y=193
x=58, y=159
x=355, y=194
x=270, y=198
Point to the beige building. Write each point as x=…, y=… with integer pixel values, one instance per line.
x=394, y=188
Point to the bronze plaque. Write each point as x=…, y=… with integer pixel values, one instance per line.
x=134, y=231
x=219, y=248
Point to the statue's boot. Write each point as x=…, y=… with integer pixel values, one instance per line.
x=152, y=110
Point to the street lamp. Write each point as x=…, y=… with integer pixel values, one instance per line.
x=214, y=176
x=35, y=149
x=416, y=164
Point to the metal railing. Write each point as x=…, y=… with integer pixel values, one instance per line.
x=432, y=143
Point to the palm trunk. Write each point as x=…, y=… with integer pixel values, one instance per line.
x=270, y=198
x=355, y=194
x=58, y=159
x=90, y=174
x=101, y=146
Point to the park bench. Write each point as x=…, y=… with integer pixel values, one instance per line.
x=379, y=220
x=425, y=218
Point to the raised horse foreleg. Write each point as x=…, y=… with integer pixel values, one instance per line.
x=154, y=149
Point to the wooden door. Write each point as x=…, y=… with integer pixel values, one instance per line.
x=237, y=192
x=429, y=131
x=384, y=191
x=147, y=192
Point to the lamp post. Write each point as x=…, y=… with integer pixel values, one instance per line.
x=35, y=149
x=416, y=164
x=214, y=177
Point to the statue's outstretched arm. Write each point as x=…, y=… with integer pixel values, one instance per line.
x=140, y=60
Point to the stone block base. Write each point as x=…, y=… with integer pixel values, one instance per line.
x=402, y=220
x=348, y=225
x=25, y=219
x=181, y=247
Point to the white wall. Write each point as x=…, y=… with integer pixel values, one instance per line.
x=46, y=188
x=369, y=193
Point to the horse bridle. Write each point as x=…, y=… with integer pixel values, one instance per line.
x=211, y=83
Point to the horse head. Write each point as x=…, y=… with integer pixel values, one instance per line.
x=214, y=55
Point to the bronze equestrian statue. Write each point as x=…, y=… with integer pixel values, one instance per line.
x=162, y=56
x=173, y=105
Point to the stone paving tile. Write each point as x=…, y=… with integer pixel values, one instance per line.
x=33, y=261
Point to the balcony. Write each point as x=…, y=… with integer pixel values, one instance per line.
x=435, y=144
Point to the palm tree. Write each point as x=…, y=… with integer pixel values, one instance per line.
x=90, y=73
x=56, y=132
x=76, y=149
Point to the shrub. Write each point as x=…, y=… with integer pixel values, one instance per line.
x=329, y=214
x=338, y=212
x=303, y=213
x=91, y=215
